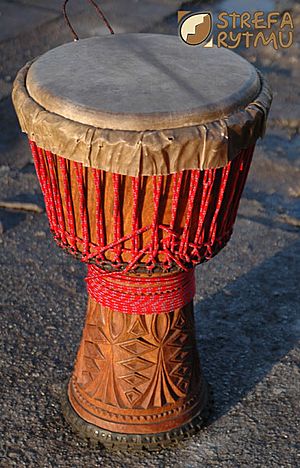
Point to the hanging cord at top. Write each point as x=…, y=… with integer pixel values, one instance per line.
x=100, y=14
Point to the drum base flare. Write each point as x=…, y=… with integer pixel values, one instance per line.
x=137, y=377
x=120, y=441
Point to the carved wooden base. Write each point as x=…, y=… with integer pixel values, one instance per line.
x=121, y=441
x=137, y=375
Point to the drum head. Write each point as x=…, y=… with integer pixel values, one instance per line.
x=141, y=82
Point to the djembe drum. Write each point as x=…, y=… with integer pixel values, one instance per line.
x=142, y=146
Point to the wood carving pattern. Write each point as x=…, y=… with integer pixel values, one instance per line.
x=137, y=367
x=137, y=361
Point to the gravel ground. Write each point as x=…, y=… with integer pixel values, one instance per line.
x=247, y=303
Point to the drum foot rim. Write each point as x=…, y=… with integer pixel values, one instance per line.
x=119, y=441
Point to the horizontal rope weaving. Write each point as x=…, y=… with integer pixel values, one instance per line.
x=133, y=294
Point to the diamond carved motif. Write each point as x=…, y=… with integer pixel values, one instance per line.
x=132, y=395
x=137, y=364
x=135, y=379
x=137, y=347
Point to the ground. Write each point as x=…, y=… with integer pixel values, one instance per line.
x=247, y=303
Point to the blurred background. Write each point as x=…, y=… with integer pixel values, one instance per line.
x=247, y=303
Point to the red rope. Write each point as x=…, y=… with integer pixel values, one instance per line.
x=135, y=222
x=68, y=203
x=117, y=218
x=132, y=294
x=83, y=207
x=177, y=180
x=56, y=193
x=186, y=231
x=48, y=192
x=100, y=231
x=194, y=234
x=207, y=185
x=213, y=226
x=157, y=188
x=43, y=180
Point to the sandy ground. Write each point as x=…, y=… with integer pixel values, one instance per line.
x=247, y=303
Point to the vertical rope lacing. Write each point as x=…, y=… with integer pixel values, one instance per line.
x=196, y=231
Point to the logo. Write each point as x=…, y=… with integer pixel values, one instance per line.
x=237, y=29
x=195, y=28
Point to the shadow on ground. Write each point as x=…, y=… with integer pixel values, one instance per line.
x=246, y=331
